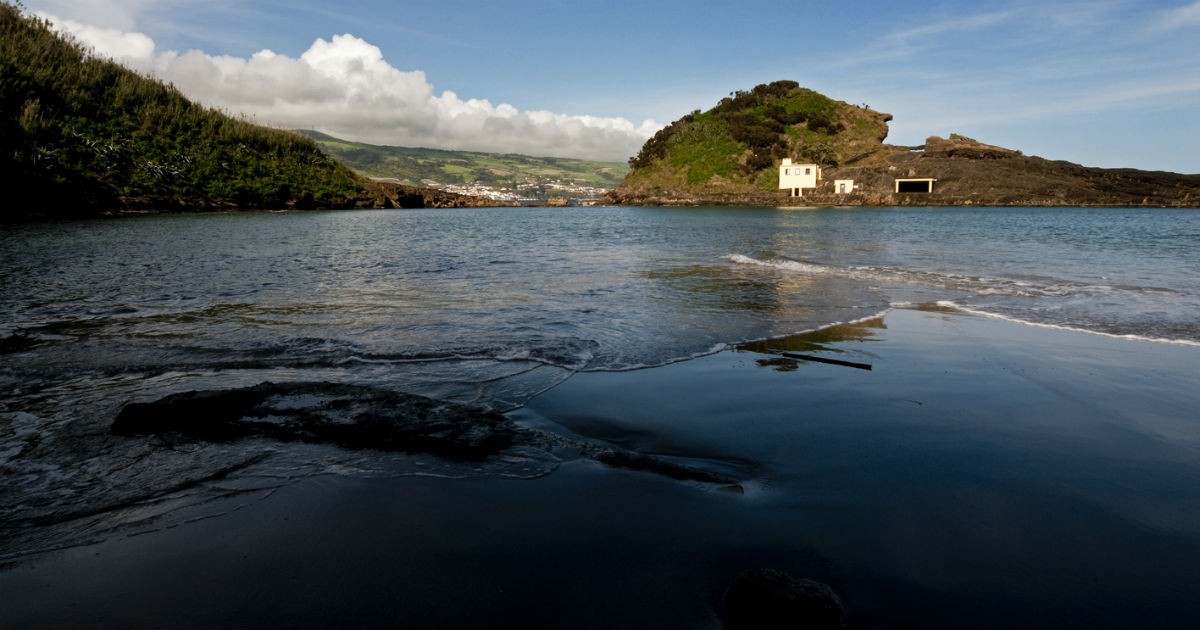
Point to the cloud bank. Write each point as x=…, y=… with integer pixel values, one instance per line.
x=346, y=88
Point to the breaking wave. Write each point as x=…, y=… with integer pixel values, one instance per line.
x=1127, y=336
x=976, y=284
x=1138, y=313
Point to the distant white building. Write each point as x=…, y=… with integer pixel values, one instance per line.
x=843, y=186
x=797, y=177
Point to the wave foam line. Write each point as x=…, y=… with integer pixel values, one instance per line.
x=789, y=265
x=508, y=355
x=722, y=347
x=715, y=349
x=982, y=285
x=972, y=311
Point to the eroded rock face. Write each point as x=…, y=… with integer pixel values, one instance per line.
x=762, y=599
x=349, y=416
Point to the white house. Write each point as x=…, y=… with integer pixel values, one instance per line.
x=797, y=177
x=843, y=186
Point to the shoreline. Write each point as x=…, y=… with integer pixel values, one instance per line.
x=983, y=473
x=782, y=203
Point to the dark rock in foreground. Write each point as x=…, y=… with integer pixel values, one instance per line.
x=763, y=599
x=13, y=344
x=349, y=416
x=360, y=417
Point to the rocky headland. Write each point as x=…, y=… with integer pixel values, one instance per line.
x=730, y=155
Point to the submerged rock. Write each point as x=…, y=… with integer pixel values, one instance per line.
x=13, y=344
x=645, y=463
x=763, y=599
x=350, y=416
x=360, y=417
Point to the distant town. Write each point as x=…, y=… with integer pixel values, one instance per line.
x=507, y=178
x=524, y=193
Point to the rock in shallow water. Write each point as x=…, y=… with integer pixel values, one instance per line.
x=360, y=417
x=350, y=416
x=764, y=599
x=658, y=466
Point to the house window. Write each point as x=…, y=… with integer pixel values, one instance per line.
x=808, y=171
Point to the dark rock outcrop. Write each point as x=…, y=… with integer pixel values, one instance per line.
x=645, y=463
x=766, y=599
x=349, y=416
x=16, y=343
x=359, y=417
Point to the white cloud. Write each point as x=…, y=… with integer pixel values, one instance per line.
x=113, y=42
x=1187, y=16
x=103, y=14
x=954, y=25
x=345, y=87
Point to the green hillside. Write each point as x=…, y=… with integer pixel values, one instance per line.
x=82, y=135
x=735, y=146
x=436, y=167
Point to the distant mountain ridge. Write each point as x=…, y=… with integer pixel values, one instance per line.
x=519, y=175
x=731, y=154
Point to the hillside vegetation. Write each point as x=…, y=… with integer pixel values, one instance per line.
x=730, y=154
x=79, y=135
x=533, y=176
x=735, y=146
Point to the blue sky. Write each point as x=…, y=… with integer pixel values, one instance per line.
x=1101, y=82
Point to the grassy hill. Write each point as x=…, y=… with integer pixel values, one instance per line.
x=535, y=176
x=730, y=155
x=735, y=146
x=82, y=135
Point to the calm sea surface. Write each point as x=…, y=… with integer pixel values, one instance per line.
x=582, y=289
x=493, y=306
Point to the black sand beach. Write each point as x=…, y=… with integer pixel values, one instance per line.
x=982, y=473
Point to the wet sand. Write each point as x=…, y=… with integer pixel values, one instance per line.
x=981, y=473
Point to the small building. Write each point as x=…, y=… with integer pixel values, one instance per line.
x=914, y=184
x=797, y=177
x=843, y=186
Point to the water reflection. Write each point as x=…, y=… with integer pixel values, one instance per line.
x=820, y=340
x=787, y=351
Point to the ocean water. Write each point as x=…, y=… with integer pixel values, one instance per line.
x=492, y=307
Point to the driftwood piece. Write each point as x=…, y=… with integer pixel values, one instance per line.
x=809, y=357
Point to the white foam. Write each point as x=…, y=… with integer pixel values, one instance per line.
x=980, y=285
x=787, y=265
x=1141, y=338
x=716, y=348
